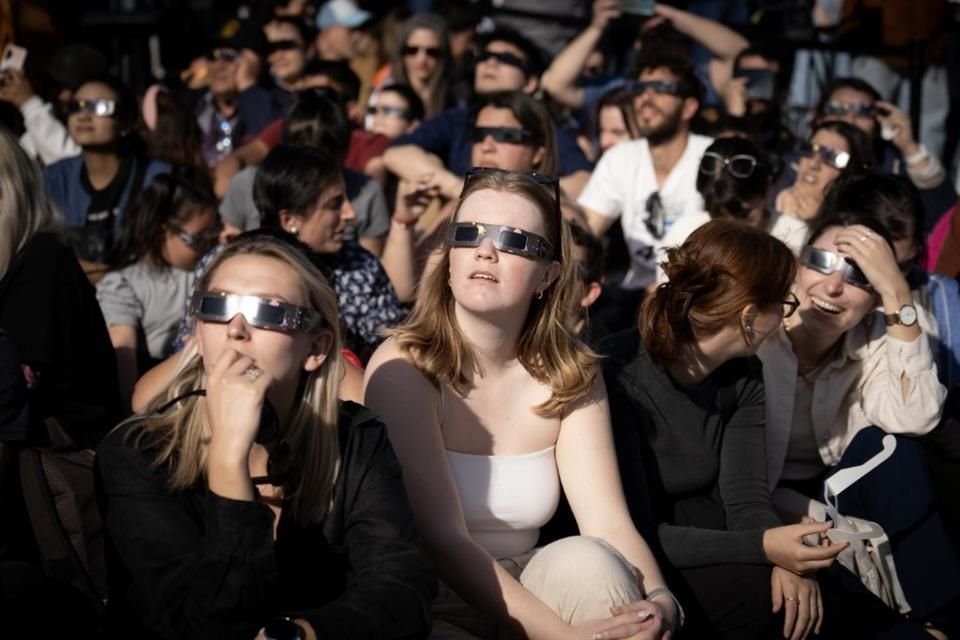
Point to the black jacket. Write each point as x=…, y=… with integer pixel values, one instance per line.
x=196, y=565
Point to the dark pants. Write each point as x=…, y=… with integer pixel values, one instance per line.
x=727, y=601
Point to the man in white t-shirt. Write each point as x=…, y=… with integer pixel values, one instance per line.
x=650, y=182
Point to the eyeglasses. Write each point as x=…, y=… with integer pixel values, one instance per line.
x=539, y=178
x=656, y=222
x=836, y=159
x=858, y=109
x=197, y=241
x=224, y=54
x=510, y=135
x=432, y=52
x=508, y=239
x=502, y=58
x=262, y=313
x=390, y=112
x=828, y=263
x=790, y=305
x=739, y=166
x=100, y=108
x=282, y=45
x=666, y=87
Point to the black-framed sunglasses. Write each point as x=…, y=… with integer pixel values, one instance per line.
x=858, y=109
x=739, y=166
x=828, y=263
x=197, y=241
x=282, y=45
x=665, y=87
x=432, y=52
x=222, y=307
x=790, y=305
x=503, y=58
x=836, y=159
x=511, y=135
x=656, y=221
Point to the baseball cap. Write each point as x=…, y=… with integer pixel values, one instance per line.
x=341, y=13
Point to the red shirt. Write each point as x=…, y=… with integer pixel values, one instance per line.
x=364, y=145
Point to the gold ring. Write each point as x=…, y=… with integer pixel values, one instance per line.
x=863, y=238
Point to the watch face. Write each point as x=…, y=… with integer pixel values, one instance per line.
x=282, y=629
x=908, y=315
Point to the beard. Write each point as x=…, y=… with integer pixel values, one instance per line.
x=663, y=132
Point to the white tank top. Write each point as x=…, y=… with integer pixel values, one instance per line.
x=506, y=499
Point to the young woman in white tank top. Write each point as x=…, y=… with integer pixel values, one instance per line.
x=491, y=404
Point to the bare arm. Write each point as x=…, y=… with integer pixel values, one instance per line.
x=152, y=382
x=598, y=223
x=409, y=162
x=124, y=340
x=249, y=154
x=561, y=77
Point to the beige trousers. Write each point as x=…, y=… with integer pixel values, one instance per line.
x=580, y=578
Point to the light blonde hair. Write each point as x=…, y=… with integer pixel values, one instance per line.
x=25, y=208
x=547, y=347
x=181, y=434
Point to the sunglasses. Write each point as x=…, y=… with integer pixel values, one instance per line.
x=224, y=54
x=790, y=305
x=656, y=222
x=502, y=58
x=665, y=87
x=101, y=108
x=259, y=312
x=836, y=159
x=432, y=52
x=549, y=182
x=859, y=109
x=828, y=263
x=197, y=241
x=390, y=112
x=739, y=166
x=507, y=239
x=282, y=45
x=510, y=135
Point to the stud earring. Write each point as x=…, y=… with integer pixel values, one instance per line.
x=294, y=230
x=748, y=328
x=540, y=295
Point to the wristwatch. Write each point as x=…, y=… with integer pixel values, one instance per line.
x=906, y=316
x=283, y=628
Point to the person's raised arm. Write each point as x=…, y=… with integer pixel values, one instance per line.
x=408, y=161
x=560, y=79
x=461, y=563
x=252, y=153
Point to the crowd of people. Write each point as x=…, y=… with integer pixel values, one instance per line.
x=422, y=325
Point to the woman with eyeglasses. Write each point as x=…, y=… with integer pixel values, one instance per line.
x=687, y=405
x=833, y=148
x=172, y=224
x=95, y=188
x=423, y=61
x=247, y=497
x=395, y=110
x=851, y=366
x=492, y=404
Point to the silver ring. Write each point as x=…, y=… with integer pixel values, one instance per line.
x=863, y=238
x=253, y=372
x=789, y=599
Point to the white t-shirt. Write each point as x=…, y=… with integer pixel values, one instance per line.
x=621, y=185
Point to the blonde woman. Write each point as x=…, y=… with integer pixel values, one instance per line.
x=50, y=310
x=248, y=493
x=492, y=404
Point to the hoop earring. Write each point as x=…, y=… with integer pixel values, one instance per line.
x=540, y=294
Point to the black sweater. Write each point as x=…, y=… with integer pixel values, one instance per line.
x=692, y=458
x=197, y=565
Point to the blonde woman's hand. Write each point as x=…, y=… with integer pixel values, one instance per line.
x=236, y=389
x=784, y=547
x=643, y=619
x=800, y=599
x=413, y=197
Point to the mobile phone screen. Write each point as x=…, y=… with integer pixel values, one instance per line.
x=760, y=83
x=13, y=58
x=638, y=7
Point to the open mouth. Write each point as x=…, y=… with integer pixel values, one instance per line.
x=825, y=306
x=482, y=276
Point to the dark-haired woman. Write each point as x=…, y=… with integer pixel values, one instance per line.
x=840, y=377
x=687, y=404
x=174, y=223
x=94, y=188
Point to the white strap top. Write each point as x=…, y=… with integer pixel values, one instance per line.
x=506, y=499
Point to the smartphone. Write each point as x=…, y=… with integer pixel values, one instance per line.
x=13, y=58
x=638, y=7
x=761, y=83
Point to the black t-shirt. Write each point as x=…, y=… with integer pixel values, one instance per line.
x=49, y=308
x=95, y=239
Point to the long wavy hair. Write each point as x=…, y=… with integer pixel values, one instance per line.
x=440, y=82
x=547, y=346
x=25, y=208
x=181, y=434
